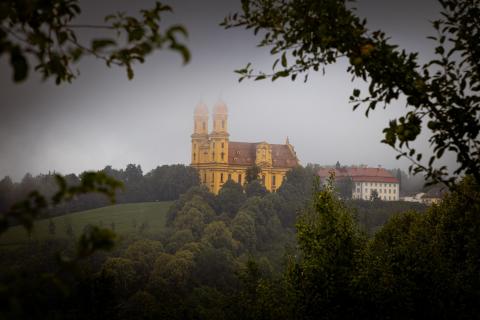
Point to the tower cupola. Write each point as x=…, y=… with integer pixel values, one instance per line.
x=220, y=117
x=201, y=119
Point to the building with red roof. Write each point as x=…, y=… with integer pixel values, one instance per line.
x=365, y=181
x=218, y=159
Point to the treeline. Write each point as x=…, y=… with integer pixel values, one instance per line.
x=372, y=215
x=166, y=182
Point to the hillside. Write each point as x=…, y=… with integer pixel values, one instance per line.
x=124, y=218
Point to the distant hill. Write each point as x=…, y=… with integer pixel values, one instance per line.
x=126, y=218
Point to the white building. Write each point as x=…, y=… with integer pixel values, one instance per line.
x=366, y=180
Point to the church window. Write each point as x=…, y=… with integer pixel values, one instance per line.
x=222, y=154
x=223, y=145
x=205, y=177
x=194, y=156
x=213, y=155
x=273, y=180
x=221, y=177
x=214, y=145
x=263, y=179
x=240, y=178
x=213, y=176
x=229, y=176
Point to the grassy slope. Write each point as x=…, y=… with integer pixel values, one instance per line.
x=123, y=216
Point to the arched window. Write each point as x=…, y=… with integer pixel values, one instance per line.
x=194, y=156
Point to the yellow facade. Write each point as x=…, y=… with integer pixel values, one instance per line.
x=218, y=159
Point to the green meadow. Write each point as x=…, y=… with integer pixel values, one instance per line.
x=122, y=218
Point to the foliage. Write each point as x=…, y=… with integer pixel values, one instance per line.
x=255, y=189
x=243, y=230
x=332, y=248
x=427, y=265
x=307, y=35
x=46, y=32
x=26, y=211
x=253, y=173
x=295, y=193
x=230, y=197
x=372, y=215
x=418, y=265
x=344, y=186
x=162, y=183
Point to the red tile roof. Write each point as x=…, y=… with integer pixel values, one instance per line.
x=360, y=174
x=244, y=153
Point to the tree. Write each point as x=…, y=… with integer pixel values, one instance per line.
x=218, y=235
x=255, y=189
x=46, y=32
x=374, y=195
x=426, y=264
x=253, y=173
x=243, y=230
x=6, y=193
x=143, y=253
x=230, y=198
x=168, y=182
x=191, y=219
x=344, y=187
x=122, y=272
x=295, y=191
x=331, y=247
x=443, y=92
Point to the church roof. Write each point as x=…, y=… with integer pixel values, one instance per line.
x=360, y=174
x=244, y=153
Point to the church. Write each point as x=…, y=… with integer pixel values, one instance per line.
x=218, y=159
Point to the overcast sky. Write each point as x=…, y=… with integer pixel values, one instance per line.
x=104, y=119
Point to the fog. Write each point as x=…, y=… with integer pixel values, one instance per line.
x=103, y=119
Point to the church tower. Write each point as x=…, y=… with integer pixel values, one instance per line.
x=200, y=134
x=219, y=135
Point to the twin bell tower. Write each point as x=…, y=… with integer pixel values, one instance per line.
x=210, y=147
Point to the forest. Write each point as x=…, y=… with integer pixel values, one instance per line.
x=247, y=253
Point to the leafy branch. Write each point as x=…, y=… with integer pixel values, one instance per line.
x=443, y=93
x=44, y=33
